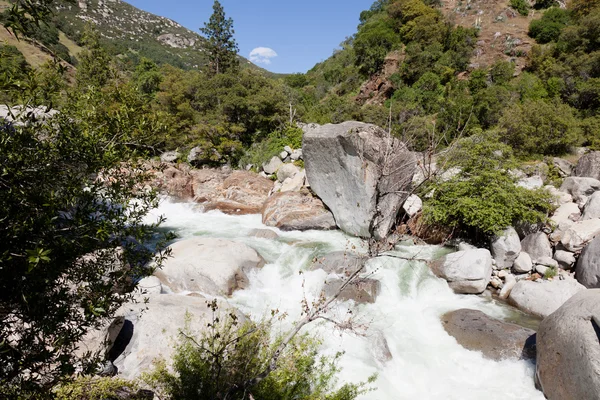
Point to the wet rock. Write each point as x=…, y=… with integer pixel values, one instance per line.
x=290, y=211
x=467, y=272
x=568, y=353
x=506, y=248
x=339, y=262
x=362, y=290
x=263, y=234
x=212, y=266
x=497, y=340
x=359, y=173
x=587, y=271
x=543, y=298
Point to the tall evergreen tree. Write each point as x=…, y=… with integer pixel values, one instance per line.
x=222, y=47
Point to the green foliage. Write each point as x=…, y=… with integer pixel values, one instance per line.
x=548, y=28
x=551, y=272
x=541, y=4
x=540, y=127
x=13, y=70
x=147, y=76
x=502, y=72
x=221, y=45
x=521, y=6
x=482, y=198
x=88, y=388
x=220, y=363
x=272, y=145
x=372, y=43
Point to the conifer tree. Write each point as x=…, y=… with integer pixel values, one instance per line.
x=222, y=47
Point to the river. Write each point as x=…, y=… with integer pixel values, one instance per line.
x=426, y=362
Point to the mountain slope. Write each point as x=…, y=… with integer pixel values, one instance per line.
x=132, y=33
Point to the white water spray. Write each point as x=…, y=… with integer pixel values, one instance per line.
x=426, y=362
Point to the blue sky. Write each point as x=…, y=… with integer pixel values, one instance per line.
x=301, y=33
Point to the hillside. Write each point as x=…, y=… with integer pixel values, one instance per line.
x=133, y=33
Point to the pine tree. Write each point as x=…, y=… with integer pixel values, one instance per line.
x=222, y=47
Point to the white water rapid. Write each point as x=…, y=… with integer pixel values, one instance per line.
x=426, y=362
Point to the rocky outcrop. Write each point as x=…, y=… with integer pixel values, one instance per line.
x=360, y=173
x=587, y=271
x=580, y=188
x=379, y=87
x=466, y=271
x=496, y=339
x=568, y=354
x=151, y=329
x=211, y=266
x=296, y=211
x=506, y=248
x=237, y=192
x=537, y=246
x=543, y=298
x=592, y=207
x=589, y=165
x=580, y=234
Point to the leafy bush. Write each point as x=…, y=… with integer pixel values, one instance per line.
x=88, y=388
x=537, y=127
x=548, y=28
x=272, y=145
x=521, y=6
x=228, y=355
x=482, y=198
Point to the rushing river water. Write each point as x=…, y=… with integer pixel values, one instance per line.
x=426, y=362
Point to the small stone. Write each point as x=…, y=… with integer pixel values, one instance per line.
x=283, y=155
x=502, y=274
x=288, y=149
x=547, y=262
x=496, y=282
x=541, y=269
x=509, y=284
x=523, y=263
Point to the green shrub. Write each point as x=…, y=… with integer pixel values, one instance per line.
x=548, y=28
x=483, y=198
x=521, y=6
x=229, y=354
x=537, y=127
x=272, y=145
x=88, y=388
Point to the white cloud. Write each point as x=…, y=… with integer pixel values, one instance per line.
x=262, y=55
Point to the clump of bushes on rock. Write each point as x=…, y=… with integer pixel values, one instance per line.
x=482, y=198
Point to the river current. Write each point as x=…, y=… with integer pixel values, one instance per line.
x=426, y=362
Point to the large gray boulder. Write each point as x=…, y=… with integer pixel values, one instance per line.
x=580, y=234
x=568, y=354
x=296, y=211
x=580, y=188
x=543, y=298
x=207, y=265
x=537, y=246
x=151, y=329
x=361, y=173
x=506, y=248
x=587, y=270
x=589, y=165
x=466, y=271
x=592, y=207
x=496, y=339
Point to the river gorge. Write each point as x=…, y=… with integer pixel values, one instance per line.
x=400, y=336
